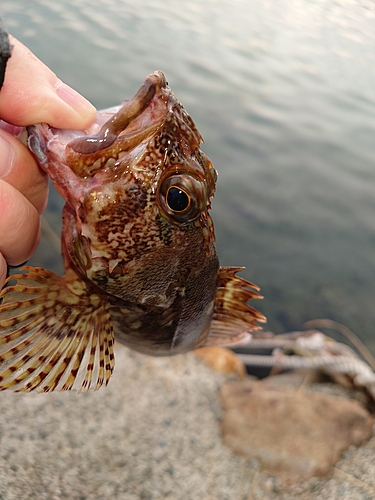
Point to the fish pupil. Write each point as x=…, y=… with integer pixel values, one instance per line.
x=177, y=199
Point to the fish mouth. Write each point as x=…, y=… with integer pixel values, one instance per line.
x=112, y=134
x=121, y=120
x=137, y=122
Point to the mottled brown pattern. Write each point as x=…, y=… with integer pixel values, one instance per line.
x=138, y=246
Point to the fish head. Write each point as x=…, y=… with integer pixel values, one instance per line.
x=138, y=191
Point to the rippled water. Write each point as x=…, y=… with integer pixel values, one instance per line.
x=284, y=94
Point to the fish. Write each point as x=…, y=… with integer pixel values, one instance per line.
x=138, y=245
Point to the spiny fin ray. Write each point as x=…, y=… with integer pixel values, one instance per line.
x=233, y=318
x=55, y=334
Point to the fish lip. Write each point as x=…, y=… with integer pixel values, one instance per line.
x=118, y=123
x=37, y=143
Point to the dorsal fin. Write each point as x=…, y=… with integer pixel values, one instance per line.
x=53, y=334
x=233, y=318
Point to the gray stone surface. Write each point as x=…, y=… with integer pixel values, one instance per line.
x=295, y=434
x=152, y=434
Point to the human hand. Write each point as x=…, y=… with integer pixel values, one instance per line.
x=31, y=94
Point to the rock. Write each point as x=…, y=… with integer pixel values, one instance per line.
x=222, y=360
x=294, y=435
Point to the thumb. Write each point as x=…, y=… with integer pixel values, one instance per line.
x=32, y=93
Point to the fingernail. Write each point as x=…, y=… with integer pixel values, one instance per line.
x=73, y=98
x=6, y=156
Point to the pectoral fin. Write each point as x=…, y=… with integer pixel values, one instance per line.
x=54, y=335
x=233, y=318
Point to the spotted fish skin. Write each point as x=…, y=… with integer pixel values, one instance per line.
x=139, y=251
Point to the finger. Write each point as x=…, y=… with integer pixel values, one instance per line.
x=19, y=169
x=19, y=225
x=32, y=93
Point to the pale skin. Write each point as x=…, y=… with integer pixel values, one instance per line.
x=31, y=94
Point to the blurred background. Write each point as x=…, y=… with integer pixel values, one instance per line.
x=283, y=93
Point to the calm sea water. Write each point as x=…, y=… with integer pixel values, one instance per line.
x=284, y=94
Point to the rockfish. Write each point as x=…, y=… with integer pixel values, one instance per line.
x=139, y=251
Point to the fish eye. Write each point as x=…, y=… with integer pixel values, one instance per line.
x=177, y=199
x=181, y=197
